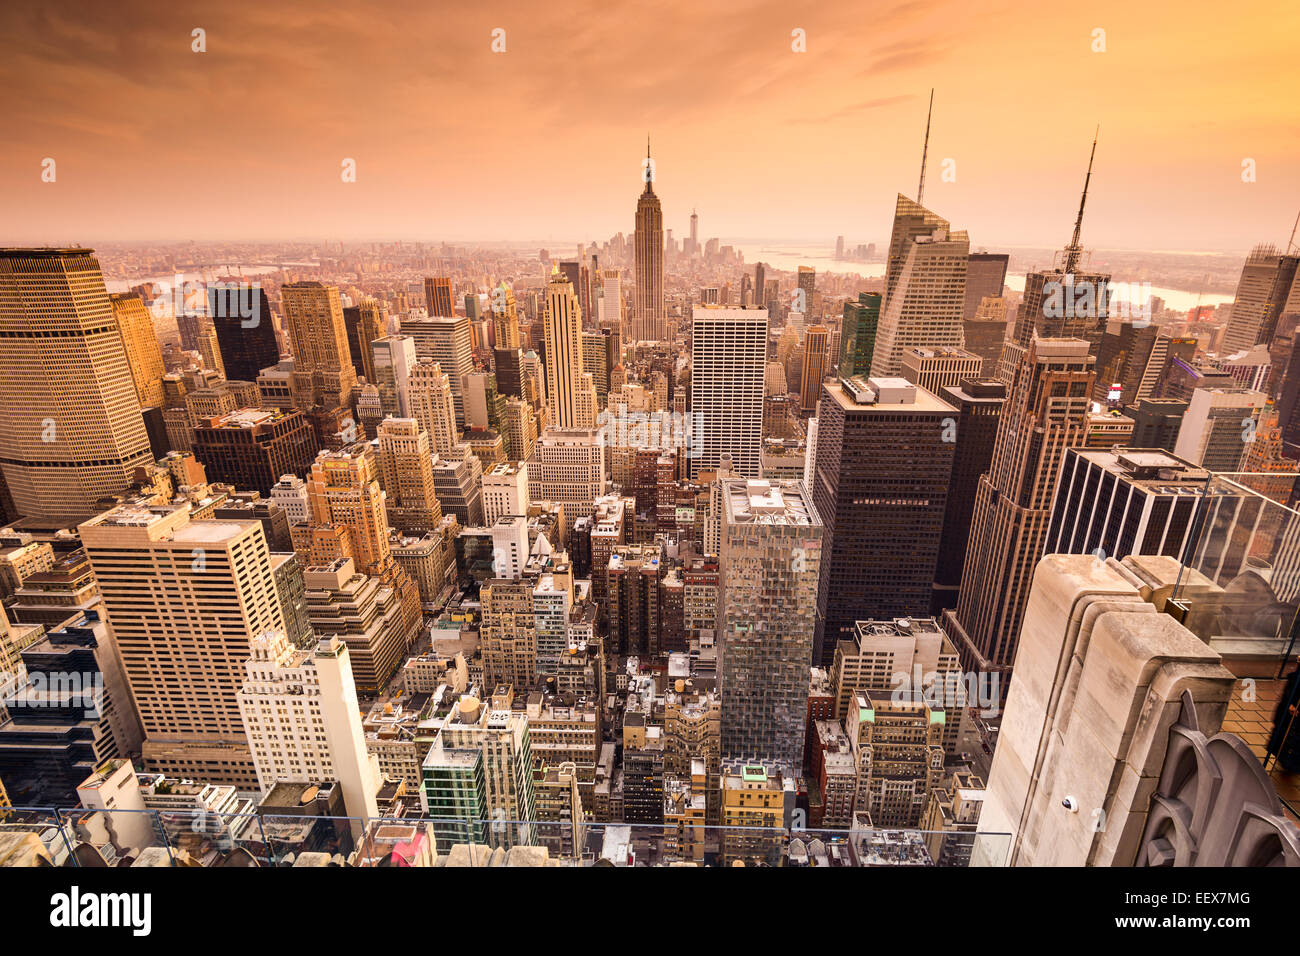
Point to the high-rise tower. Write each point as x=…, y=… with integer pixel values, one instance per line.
x=185, y=600
x=1045, y=413
x=72, y=430
x=429, y=400
x=648, y=316
x=142, y=349
x=245, y=330
x=771, y=538
x=925, y=287
x=322, y=361
x=728, y=370
x=570, y=393
x=437, y=295
x=880, y=477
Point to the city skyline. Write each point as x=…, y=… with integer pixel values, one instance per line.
x=429, y=166
x=967, y=539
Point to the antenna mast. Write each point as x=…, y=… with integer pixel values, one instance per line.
x=1074, y=249
x=920, y=187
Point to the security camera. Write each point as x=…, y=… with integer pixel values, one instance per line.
x=1070, y=804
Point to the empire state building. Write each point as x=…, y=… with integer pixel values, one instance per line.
x=648, y=315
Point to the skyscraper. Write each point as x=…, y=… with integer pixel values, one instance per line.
x=728, y=366
x=814, y=366
x=568, y=466
x=185, y=599
x=807, y=290
x=648, y=316
x=430, y=401
x=858, y=335
x=72, y=430
x=880, y=482
x=480, y=769
x=925, y=286
x=322, y=362
x=365, y=324
x=407, y=472
x=391, y=359
x=770, y=560
x=505, y=318
x=1218, y=426
x=344, y=492
x=447, y=342
x=611, y=299
x=979, y=409
x=143, y=352
x=252, y=448
x=1045, y=413
x=1265, y=285
x=245, y=330
x=1125, y=501
x=437, y=296
x=986, y=274
x=570, y=393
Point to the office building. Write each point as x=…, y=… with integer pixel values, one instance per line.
x=364, y=613
x=881, y=475
x=437, y=296
x=1045, y=413
x=303, y=720
x=323, y=373
x=858, y=335
x=458, y=484
x=245, y=330
x=430, y=402
x=771, y=553
x=925, y=287
x=365, y=323
x=251, y=449
x=392, y=358
x=478, y=775
x=935, y=369
x=71, y=712
x=1218, y=426
x=568, y=467
x=406, y=472
x=505, y=491
x=899, y=742
x=814, y=366
x=570, y=394
x=1156, y=422
x=72, y=431
x=979, y=409
x=445, y=341
x=185, y=599
x=986, y=275
x=143, y=353
x=728, y=365
x=1124, y=502
x=1266, y=285
x=757, y=806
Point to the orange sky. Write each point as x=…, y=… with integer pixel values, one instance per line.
x=453, y=141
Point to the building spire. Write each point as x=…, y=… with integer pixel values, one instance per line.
x=1074, y=249
x=920, y=187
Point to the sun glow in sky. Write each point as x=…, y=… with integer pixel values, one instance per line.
x=544, y=141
